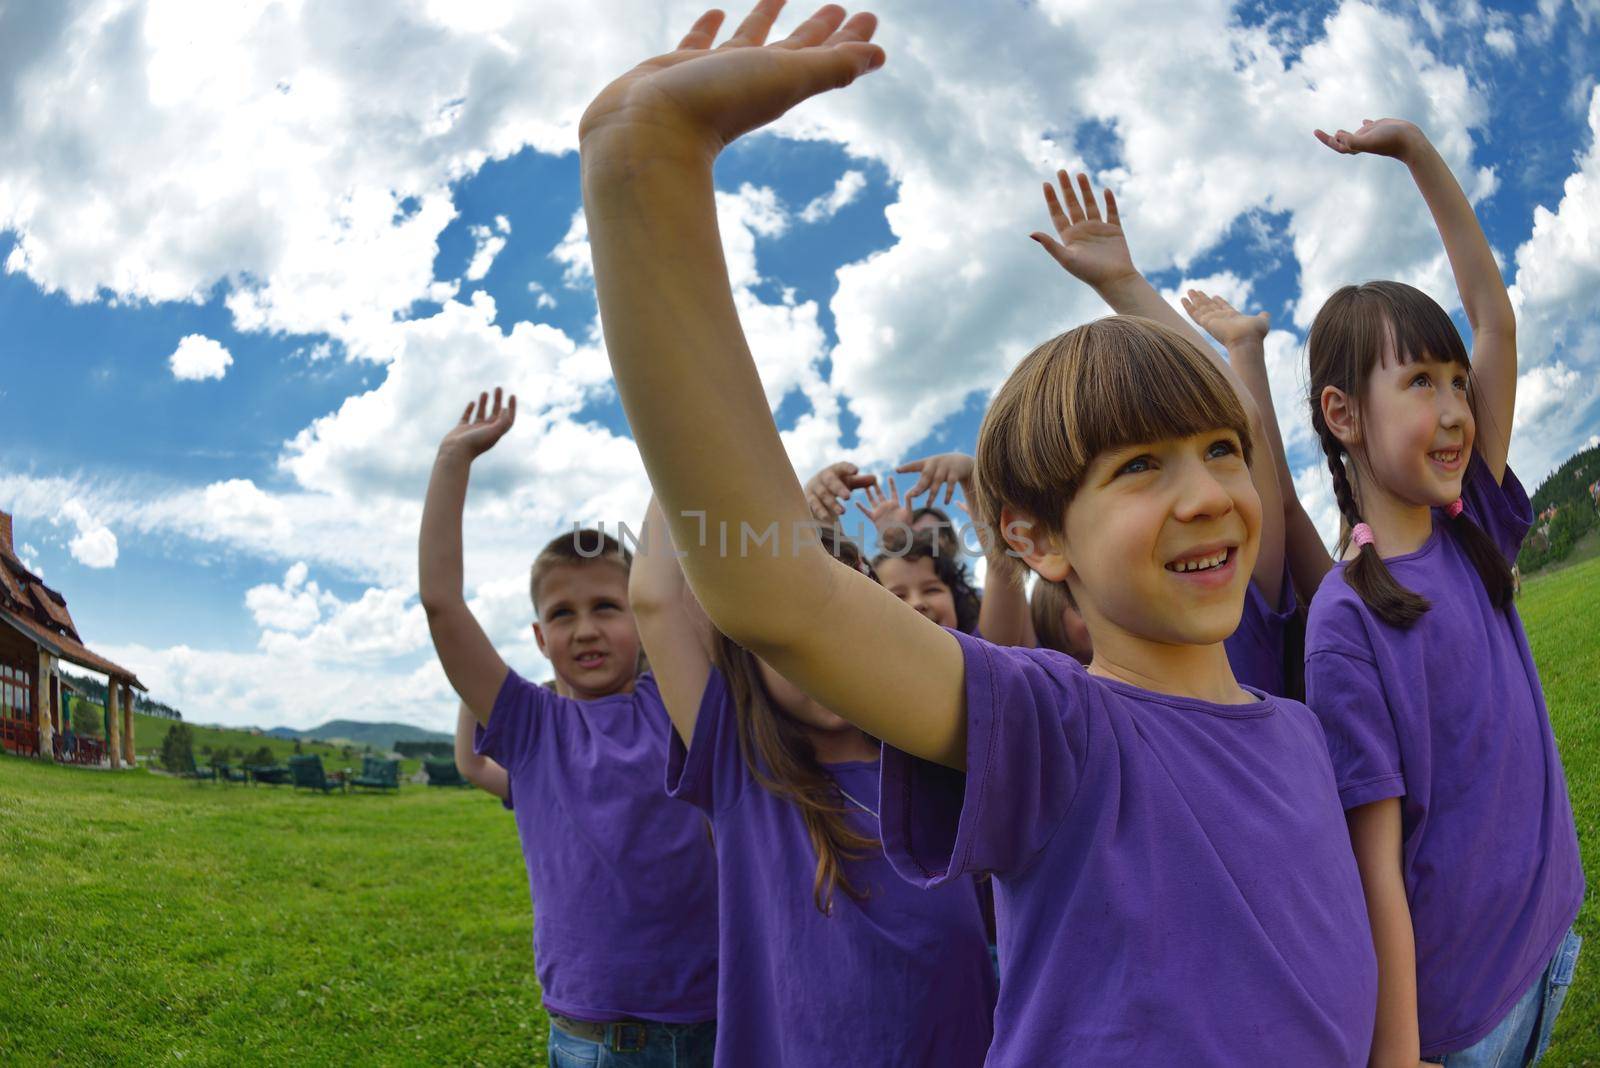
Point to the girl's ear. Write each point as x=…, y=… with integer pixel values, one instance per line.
x=1339, y=413
x=1039, y=552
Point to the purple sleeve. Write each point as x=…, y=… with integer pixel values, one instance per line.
x=1502, y=509
x=1027, y=735
x=514, y=723
x=1346, y=694
x=710, y=772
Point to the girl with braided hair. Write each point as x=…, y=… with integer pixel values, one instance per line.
x=1416, y=660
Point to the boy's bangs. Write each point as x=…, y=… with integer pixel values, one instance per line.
x=1156, y=389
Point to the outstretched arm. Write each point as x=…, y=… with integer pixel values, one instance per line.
x=1094, y=250
x=1003, y=617
x=1483, y=291
x=470, y=662
x=692, y=394
x=479, y=770
x=675, y=632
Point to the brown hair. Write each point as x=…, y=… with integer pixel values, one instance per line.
x=1116, y=381
x=1045, y=605
x=583, y=546
x=1348, y=338
x=936, y=545
x=783, y=760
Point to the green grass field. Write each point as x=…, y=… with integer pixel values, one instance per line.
x=153, y=920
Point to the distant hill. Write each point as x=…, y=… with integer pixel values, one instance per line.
x=1564, y=509
x=378, y=735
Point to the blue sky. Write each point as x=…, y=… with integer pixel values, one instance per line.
x=324, y=218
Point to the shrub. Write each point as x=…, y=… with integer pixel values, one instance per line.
x=177, y=748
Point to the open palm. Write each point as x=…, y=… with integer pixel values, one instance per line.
x=1386, y=137
x=481, y=425
x=1091, y=246
x=713, y=95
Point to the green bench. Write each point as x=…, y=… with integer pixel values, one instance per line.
x=307, y=772
x=226, y=772
x=188, y=770
x=443, y=772
x=378, y=774
x=271, y=774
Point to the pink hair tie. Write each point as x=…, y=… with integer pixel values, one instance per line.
x=1361, y=535
x=1454, y=508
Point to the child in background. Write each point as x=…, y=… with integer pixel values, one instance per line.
x=827, y=956
x=1173, y=872
x=1416, y=660
x=921, y=562
x=1094, y=250
x=622, y=879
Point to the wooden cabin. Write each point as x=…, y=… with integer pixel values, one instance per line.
x=37, y=635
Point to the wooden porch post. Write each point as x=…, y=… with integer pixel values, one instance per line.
x=127, y=719
x=113, y=725
x=41, y=705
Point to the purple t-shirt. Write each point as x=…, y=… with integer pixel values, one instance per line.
x=900, y=977
x=623, y=880
x=1173, y=878
x=1256, y=649
x=1449, y=715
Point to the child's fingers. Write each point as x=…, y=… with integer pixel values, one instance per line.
x=511, y=411
x=1074, y=209
x=1091, y=210
x=814, y=30
x=1058, y=217
x=494, y=413
x=863, y=509
x=893, y=493
x=910, y=466
x=703, y=32
x=1112, y=216
x=483, y=405
x=1057, y=250
x=860, y=27
x=466, y=416
x=756, y=25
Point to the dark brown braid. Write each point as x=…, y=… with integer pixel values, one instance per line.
x=1367, y=574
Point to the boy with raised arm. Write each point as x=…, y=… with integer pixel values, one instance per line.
x=623, y=878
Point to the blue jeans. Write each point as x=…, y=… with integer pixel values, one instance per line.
x=1524, y=1035
x=664, y=1046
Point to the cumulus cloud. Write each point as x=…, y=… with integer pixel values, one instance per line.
x=294, y=605
x=198, y=357
x=487, y=244
x=94, y=545
x=844, y=192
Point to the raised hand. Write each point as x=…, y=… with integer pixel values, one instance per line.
x=1225, y=323
x=828, y=489
x=947, y=469
x=1093, y=249
x=886, y=510
x=710, y=96
x=481, y=426
x=1387, y=137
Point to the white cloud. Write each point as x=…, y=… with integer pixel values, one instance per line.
x=30, y=559
x=294, y=606
x=199, y=357
x=94, y=545
x=487, y=244
x=545, y=300
x=1558, y=323
x=844, y=192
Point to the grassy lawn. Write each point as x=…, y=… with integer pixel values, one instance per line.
x=152, y=920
